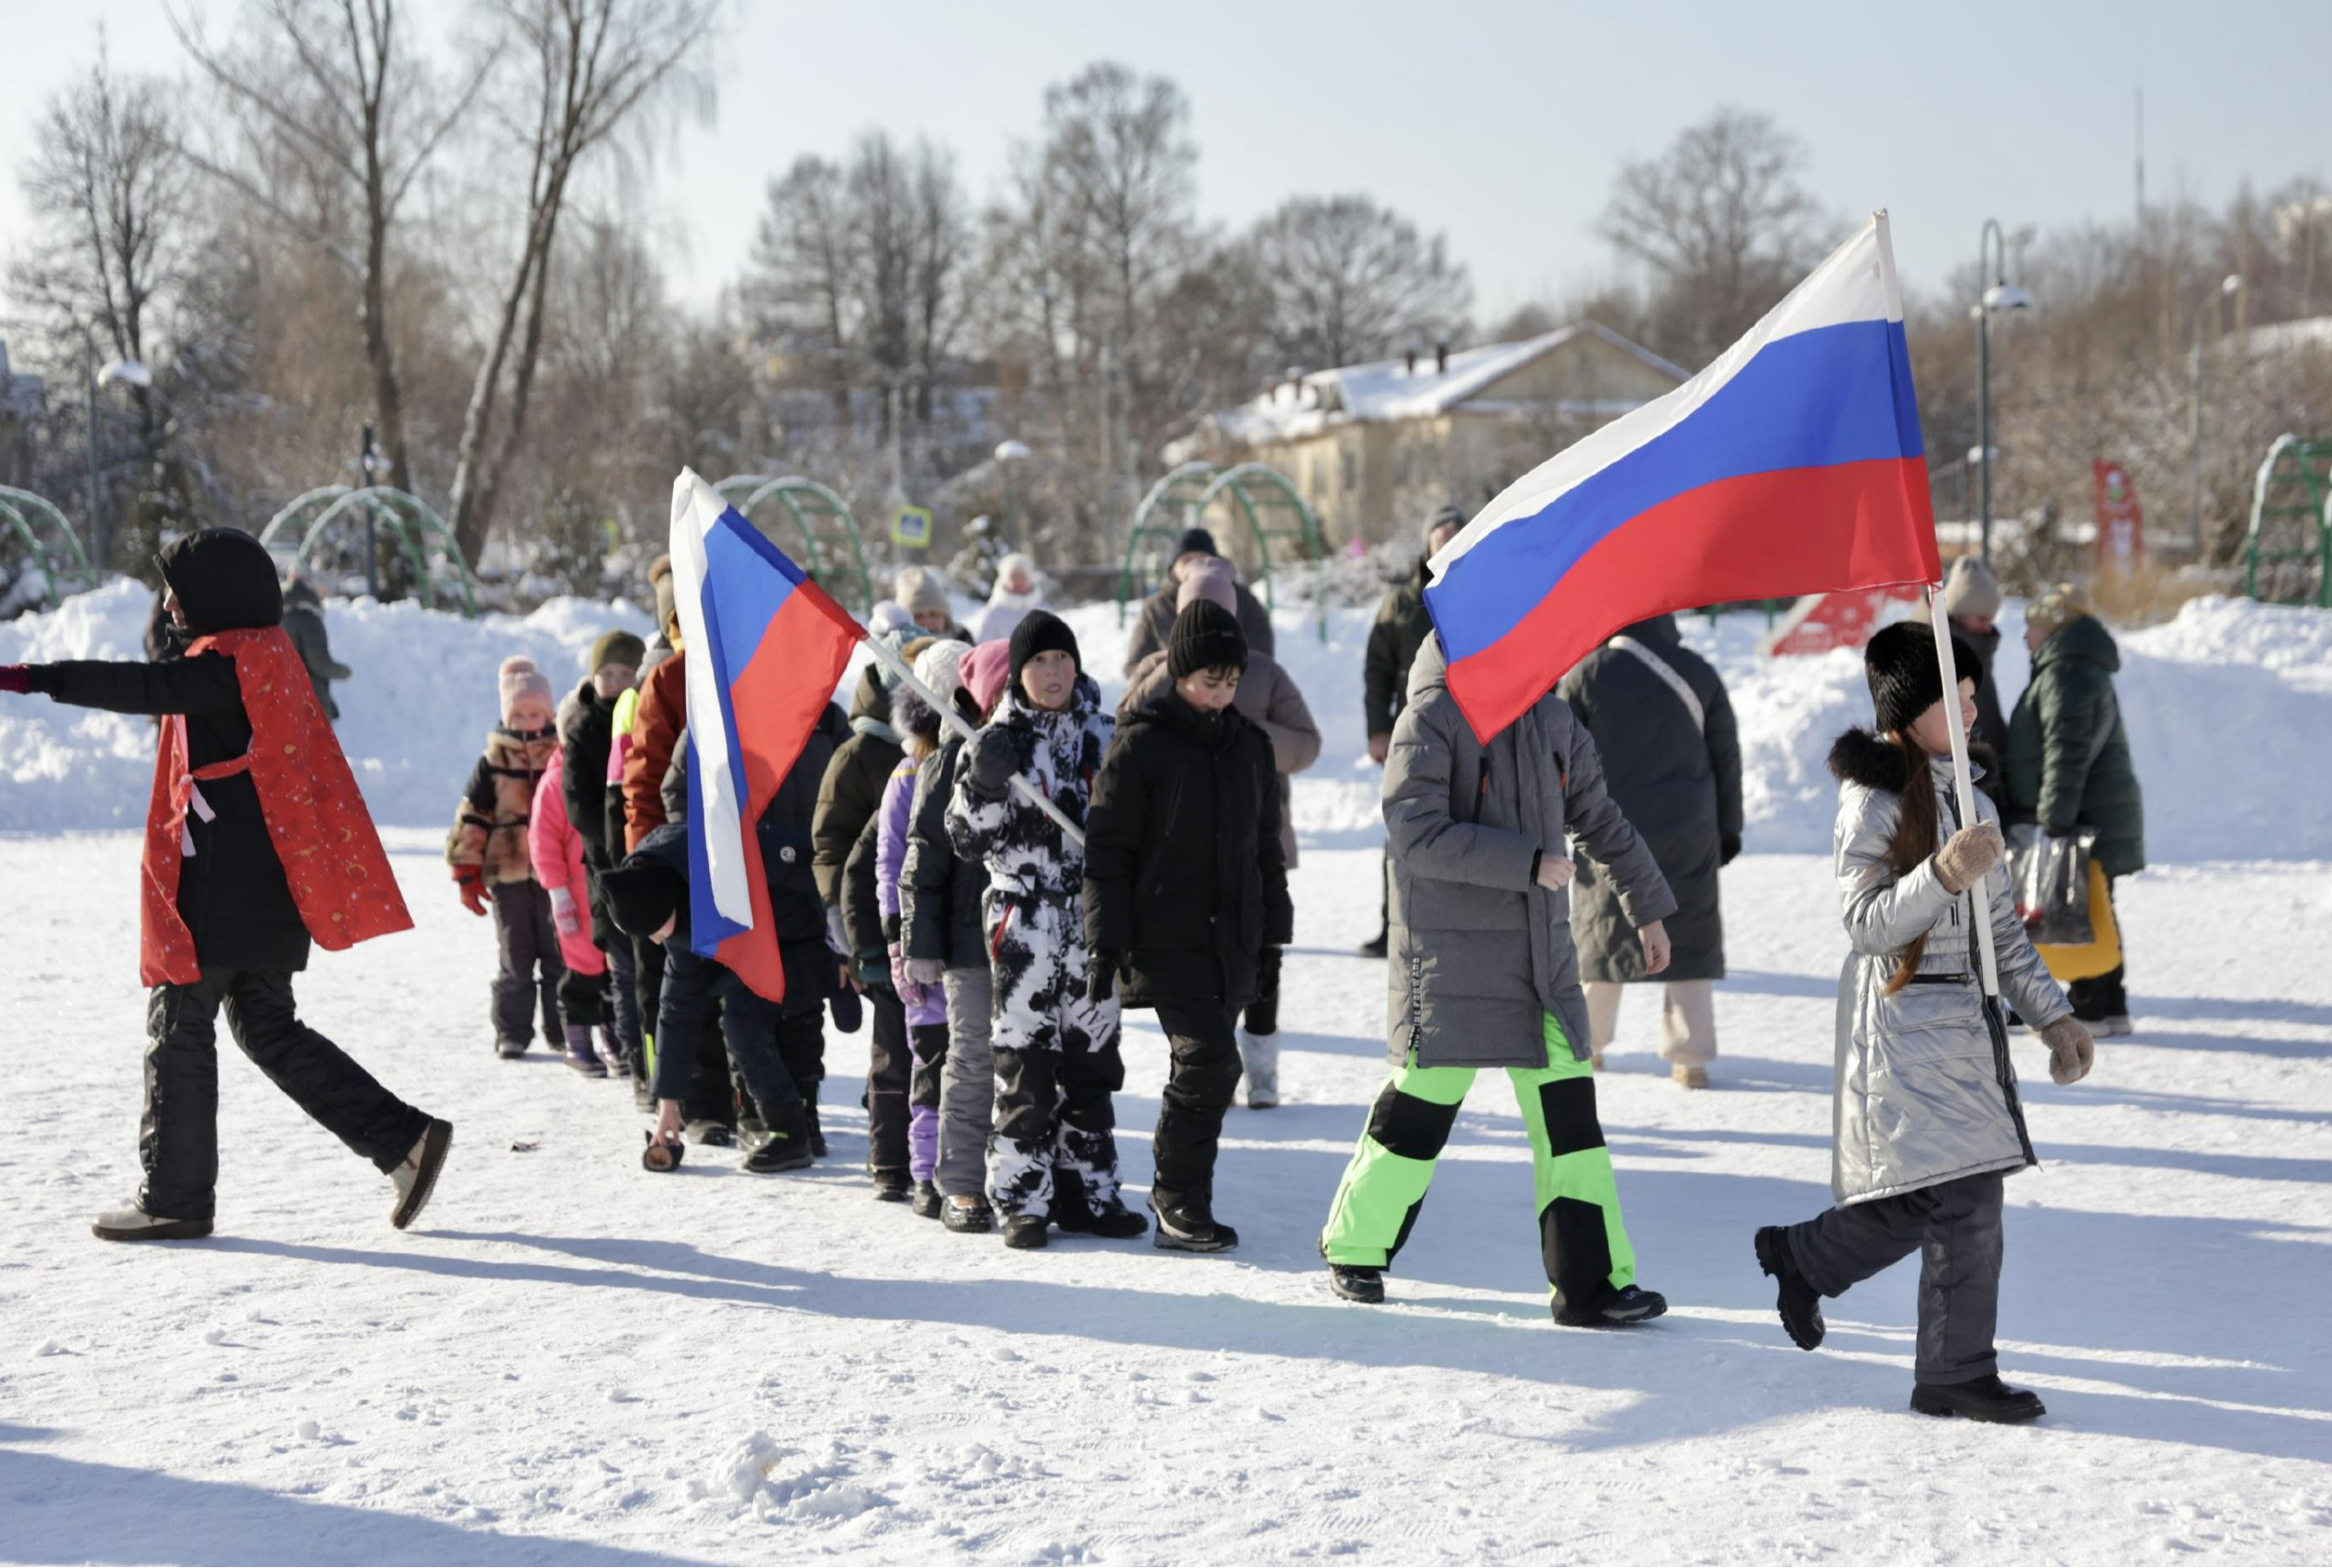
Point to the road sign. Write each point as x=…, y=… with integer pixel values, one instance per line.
x=911, y=528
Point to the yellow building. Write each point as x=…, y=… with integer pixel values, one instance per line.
x=1377, y=448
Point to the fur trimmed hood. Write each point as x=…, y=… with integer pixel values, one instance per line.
x=1860, y=756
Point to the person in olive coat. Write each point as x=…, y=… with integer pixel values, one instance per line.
x=1401, y=628
x=1177, y=929
x=2068, y=764
x=1672, y=762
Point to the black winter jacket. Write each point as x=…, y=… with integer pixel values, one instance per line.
x=851, y=790
x=2069, y=754
x=586, y=734
x=1184, y=872
x=940, y=892
x=231, y=892
x=1679, y=786
x=1401, y=626
x=1990, y=727
x=862, y=911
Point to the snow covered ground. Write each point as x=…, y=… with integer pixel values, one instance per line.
x=572, y=1361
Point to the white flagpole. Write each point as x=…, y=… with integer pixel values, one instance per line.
x=890, y=660
x=1963, y=784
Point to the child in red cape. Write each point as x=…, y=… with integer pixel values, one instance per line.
x=257, y=842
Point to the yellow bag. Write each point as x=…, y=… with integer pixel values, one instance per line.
x=2096, y=957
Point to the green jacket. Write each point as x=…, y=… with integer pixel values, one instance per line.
x=2069, y=753
x=1401, y=626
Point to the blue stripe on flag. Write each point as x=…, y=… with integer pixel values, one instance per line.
x=1837, y=394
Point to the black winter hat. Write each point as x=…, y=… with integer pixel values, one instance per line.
x=225, y=581
x=1041, y=631
x=641, y=896
x=1450, y=516
x=1206, y=636
x=1195, y=539
x=1900, y=662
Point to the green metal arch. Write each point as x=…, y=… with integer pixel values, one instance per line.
x=48, y=543
x=2283, y=521
x=833, y=549
x=1254, y=493
x=415, y=528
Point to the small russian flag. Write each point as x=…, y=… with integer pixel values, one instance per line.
x=1791, y=465
x=765, y=645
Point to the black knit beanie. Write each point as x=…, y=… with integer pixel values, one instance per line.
x=641, y=897
x=1206, y=636
x=1195, y=539
x=1900, y=662
x=1041, y=631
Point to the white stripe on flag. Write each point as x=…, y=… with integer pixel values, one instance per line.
x=717, y=795
x=1849, y=287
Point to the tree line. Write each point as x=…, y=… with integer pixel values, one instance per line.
x=328, y=223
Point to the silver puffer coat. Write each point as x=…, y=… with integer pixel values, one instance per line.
x=1925, y=1091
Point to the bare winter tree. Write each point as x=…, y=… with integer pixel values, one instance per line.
x=590, y=66
x=1725, y=225
x=331, y=120
x=799, y=286
x=108, y=193
x=1351, y=280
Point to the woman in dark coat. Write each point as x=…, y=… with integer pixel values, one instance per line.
x=1192, y=932
x=1672, y=762
x=2068, y=764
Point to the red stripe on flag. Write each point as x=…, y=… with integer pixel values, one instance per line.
x=774, y=702
x=1766, y=535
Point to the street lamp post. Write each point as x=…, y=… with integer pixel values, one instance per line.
x=1007, y=454
x=2230, y=285
x=129, y=373
x=1991, y=258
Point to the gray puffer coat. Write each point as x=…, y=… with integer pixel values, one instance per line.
x=1479, y=951
x=1925, y=1091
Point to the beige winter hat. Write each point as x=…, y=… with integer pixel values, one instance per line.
x=1970, y=589
x=2058, y=608
x=919, y=589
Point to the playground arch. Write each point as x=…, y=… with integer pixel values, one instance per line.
x=324, y=530
x=2288, y=556
x=821, y=524
x=40, y=532
x=1255, y=495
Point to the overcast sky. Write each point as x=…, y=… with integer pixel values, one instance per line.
x=1497, y=123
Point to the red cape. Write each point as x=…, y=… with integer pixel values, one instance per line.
x=331, y=857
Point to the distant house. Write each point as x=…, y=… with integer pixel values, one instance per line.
x=1377, y=448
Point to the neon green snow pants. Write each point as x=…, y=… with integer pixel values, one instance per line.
x=1579, y=1230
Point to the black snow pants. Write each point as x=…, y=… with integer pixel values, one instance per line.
x=756, y=1034
x=1955, y=1228
x=531, y=967
x=178, y=1140
x=1201, y=1082
x=890, y=1068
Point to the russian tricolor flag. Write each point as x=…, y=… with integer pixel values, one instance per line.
x=765, y=645
x=1791, y=465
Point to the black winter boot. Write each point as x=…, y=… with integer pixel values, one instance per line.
x=1986, y=1399
x=1187, y=1224
x=1611, y=1309
x=967, y=1219
x=809, y=1109
x=786, y=1143
x=1356, y=1283
x=891, y=1186
x=1801, y=1306
x=1025, y=1233
x=1114, y=1222
x=927, y=1200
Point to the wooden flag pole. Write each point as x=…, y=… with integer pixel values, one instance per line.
x=889, y=658
x=1963, y=784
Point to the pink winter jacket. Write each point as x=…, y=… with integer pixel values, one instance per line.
x=557, y=851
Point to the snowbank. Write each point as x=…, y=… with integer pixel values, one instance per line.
x=2229, y=708
x=412, y=719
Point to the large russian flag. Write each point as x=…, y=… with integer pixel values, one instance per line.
x=1791, y=465
x=765, y=645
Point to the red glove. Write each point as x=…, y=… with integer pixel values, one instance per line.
x=470, y=880
x=16, y=678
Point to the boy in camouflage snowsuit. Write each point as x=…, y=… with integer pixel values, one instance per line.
x=1053, y=1154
